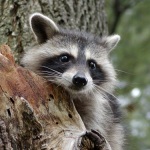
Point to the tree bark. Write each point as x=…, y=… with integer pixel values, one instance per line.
x=37, y=115
x=87, y=15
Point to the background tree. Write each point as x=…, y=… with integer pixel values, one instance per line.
x=131, y=60
x=118, y=8
x=81, y=15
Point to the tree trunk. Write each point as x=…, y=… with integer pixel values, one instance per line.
x=87, y=15
x=35, y=114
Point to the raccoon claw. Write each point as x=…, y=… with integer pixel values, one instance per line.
x=98, y=140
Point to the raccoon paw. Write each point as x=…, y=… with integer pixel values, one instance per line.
x=98, y=140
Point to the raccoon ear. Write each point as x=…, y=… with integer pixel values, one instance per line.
x=111, y=42
x=42, y=27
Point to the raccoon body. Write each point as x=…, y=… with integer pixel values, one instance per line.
x=79, y=62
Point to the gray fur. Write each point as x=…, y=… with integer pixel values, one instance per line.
x=96, y=104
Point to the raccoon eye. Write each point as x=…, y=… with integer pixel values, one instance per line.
x=92, y=65
x=64, y=58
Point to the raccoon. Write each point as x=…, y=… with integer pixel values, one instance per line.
x=79, y=62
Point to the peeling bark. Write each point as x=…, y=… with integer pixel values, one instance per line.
x=38, y=115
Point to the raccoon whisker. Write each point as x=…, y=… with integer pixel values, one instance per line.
x=58, y=85
x=58, y=77
x=97, y=90
x=99, y=81
x=120, y=70
x=49, y=77
x=53, y=81
x=51, y=69
x=48, y=73
x=102, y=89
x=124, y=72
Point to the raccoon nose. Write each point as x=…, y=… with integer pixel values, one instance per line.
x=79, y=80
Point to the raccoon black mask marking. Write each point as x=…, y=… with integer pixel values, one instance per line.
x=79, y=62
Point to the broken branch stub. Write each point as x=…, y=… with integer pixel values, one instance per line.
x=35, y=114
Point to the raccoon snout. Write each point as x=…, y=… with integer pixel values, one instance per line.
x=79, y=80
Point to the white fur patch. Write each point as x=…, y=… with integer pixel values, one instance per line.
x=87, y=54
x=74, y=50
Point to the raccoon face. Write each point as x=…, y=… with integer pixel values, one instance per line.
x=76, y=61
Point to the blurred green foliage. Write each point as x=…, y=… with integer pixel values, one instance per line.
x=132, y=62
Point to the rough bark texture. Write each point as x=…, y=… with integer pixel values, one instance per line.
x=37, y=115
x=87, y=15
x=34, y=114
